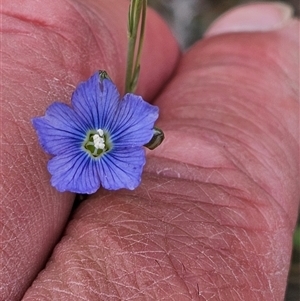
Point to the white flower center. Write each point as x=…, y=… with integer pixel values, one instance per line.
x=98, y=139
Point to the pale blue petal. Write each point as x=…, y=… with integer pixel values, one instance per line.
x=59, y=129
x=122, y=168
x=96, y=100
x=133, y=124
x=75, y=172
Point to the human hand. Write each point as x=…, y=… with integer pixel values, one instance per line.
x=214, y=215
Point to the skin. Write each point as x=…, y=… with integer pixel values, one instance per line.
x=214, y=216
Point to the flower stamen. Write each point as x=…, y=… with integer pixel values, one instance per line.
x=99, y=141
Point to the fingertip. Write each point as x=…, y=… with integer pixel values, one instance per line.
x=261, y=16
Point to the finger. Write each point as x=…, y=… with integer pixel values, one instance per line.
x=234, y=123
x=214, y=215
x=47, y=48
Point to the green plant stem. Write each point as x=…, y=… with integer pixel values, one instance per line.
x=137, y=15
x=142, y=36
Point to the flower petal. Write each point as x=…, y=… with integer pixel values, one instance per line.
x=97, y=100
x=122, y=168
x=134, y=122
x=75, y=172
x=59, y=129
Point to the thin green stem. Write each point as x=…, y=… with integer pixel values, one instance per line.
x=137, y=15
x=142, y=36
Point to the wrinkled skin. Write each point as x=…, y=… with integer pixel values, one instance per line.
x=214, y=216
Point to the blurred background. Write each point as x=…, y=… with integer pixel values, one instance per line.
x=188, y=20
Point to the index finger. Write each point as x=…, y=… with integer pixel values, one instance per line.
x=47, y=49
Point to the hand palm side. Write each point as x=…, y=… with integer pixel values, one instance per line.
x=215, y=211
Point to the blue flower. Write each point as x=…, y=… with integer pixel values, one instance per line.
x=99, y=140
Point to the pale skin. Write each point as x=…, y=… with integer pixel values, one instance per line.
x=214, y=215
